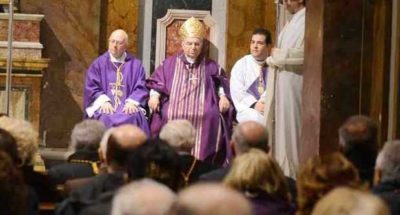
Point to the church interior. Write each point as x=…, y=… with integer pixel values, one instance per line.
x=351, y=59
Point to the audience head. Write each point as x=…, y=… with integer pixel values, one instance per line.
x=25, y=136
x=9, y=146
x=388, y=162
x=248, y=135
x=180, y=134
x=122, y=141
x=157, y=160
x=358, y=142
x=320, y=175
x=13, y=193
x=212, y=199
x=87, y=135
x=260, y=44
x=257, y=171
x=347, y=201
x=118, y=43
x=143, y=197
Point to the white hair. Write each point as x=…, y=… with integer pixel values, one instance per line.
x=180, y=134
x=143, y=197
x=388, y=161
x=87, y=135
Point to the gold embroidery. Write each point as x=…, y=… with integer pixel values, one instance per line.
x=93, y=164
x=116, y=90
x=186, y=176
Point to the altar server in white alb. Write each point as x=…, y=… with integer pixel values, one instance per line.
x=287, y=60
x=249, y=79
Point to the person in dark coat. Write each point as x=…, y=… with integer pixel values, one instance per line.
x=85, y=141
x=180, y=134
x=388, y=176
x=358, y=141
x=121, y=142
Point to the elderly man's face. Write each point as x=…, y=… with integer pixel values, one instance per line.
x=293, y=5
x=117, y=44
x=192, y=47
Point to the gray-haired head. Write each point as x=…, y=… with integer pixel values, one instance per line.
x=180, y=134
x=208, y=198
x=143, y=197
x=87, y=135
x=388, y=161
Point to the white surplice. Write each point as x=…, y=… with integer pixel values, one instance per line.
x=243, y=74
x=288, y=60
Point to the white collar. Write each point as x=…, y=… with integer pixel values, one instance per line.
x=118, y=60
x=190, y=60
x=299, y=14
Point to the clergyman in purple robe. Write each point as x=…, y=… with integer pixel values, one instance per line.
x=115, y=91
x=190, y=86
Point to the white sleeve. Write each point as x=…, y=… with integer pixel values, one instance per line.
x=241, y=99
x=154, y=93
x=283, y=57
x=97, y=104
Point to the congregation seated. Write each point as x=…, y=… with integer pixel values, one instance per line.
x=321, y=174
x=258, y=176
x=85, y=140
x=154, y=160
x=247, y=135
x=180, y=134
x=344, y=200
x=388, y=175
x=123, y=140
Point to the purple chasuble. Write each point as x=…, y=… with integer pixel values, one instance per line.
x=190, y=91
x=253, y=88
x=101, y=78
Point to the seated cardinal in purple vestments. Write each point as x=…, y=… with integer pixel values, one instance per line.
x=190, y=86
x=115, y=91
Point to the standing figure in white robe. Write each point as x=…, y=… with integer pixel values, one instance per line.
x=249, y=79
x=287, y=60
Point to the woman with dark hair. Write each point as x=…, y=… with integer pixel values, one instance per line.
x=13, y=192
x=157, y=160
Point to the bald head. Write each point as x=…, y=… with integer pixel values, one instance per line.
x=122, y=141
x=211, y=199
x=248, y=135
x=129, y=136
x=143, y=197
x=117, y=43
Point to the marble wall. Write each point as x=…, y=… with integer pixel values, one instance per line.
x=243, y=17
x=70, y=35
x=120, y=14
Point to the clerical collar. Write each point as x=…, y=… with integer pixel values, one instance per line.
x=259, y=62
x=190, y=60
x=118, y=60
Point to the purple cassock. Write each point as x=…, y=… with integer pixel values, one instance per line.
x=104, y=78
x=190, y=91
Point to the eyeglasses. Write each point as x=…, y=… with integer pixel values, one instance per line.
x=117, y=42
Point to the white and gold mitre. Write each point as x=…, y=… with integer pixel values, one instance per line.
x=192, y=28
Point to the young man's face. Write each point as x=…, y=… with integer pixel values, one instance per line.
x=192, y=47
x=117, y=44
x=293, y=5
x=258, y=47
